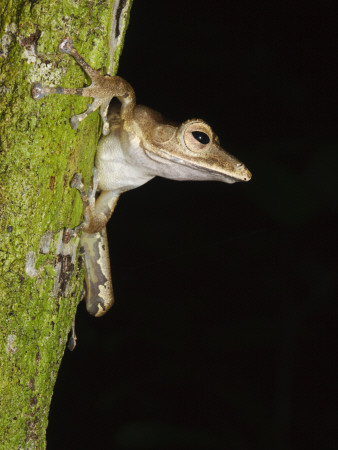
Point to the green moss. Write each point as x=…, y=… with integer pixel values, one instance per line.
x=39, y=154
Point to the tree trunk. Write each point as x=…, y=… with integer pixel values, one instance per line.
x=40, y=273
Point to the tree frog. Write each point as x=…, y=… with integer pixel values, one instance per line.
x=137, y=145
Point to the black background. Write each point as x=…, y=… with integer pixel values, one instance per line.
x=222, y=336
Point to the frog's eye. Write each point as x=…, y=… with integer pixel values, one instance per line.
x=197, y=136
x=203, y=138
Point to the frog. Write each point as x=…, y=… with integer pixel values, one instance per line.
x=137, y=144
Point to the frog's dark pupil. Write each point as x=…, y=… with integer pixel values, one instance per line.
x=201, y=137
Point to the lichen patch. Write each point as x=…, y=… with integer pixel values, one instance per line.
x=11, y=347
x=7, y=39
x=30, y=264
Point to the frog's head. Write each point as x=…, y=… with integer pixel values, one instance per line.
x=190, y=151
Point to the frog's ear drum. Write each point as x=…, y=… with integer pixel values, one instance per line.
x=163, y=133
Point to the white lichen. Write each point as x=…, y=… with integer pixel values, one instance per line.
x=59, y=243
x=64, y=249
x=56, y=285
x=69, y=248
x=40, y=70
x=7, y=38
x=11, y=347
x=30, y=264
x=45, y=242
x=3, y=89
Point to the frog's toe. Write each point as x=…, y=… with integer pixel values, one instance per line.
x=77, y=181
x=66, y=45
x=74, y=122
x=38, y=91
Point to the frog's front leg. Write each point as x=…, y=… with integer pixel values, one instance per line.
x=99, y=290
x=102, y=89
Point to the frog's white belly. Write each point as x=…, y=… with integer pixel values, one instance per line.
x=120, y=163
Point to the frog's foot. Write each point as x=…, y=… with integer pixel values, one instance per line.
x=39, y=91
x=88, y=199
x=102, y=89
x=91, y=107
x=78, y=184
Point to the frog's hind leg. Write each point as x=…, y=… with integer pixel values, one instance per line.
x=98, y=284
x=99, y=288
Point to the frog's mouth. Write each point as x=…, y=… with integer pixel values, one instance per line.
x=183, y=169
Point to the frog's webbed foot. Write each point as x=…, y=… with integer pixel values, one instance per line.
x=102, y=89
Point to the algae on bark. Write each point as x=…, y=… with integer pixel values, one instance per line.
x=40, y=274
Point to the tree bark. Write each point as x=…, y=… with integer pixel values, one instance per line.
x=40, y=273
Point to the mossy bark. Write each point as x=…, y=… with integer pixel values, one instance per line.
x=40, y=274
